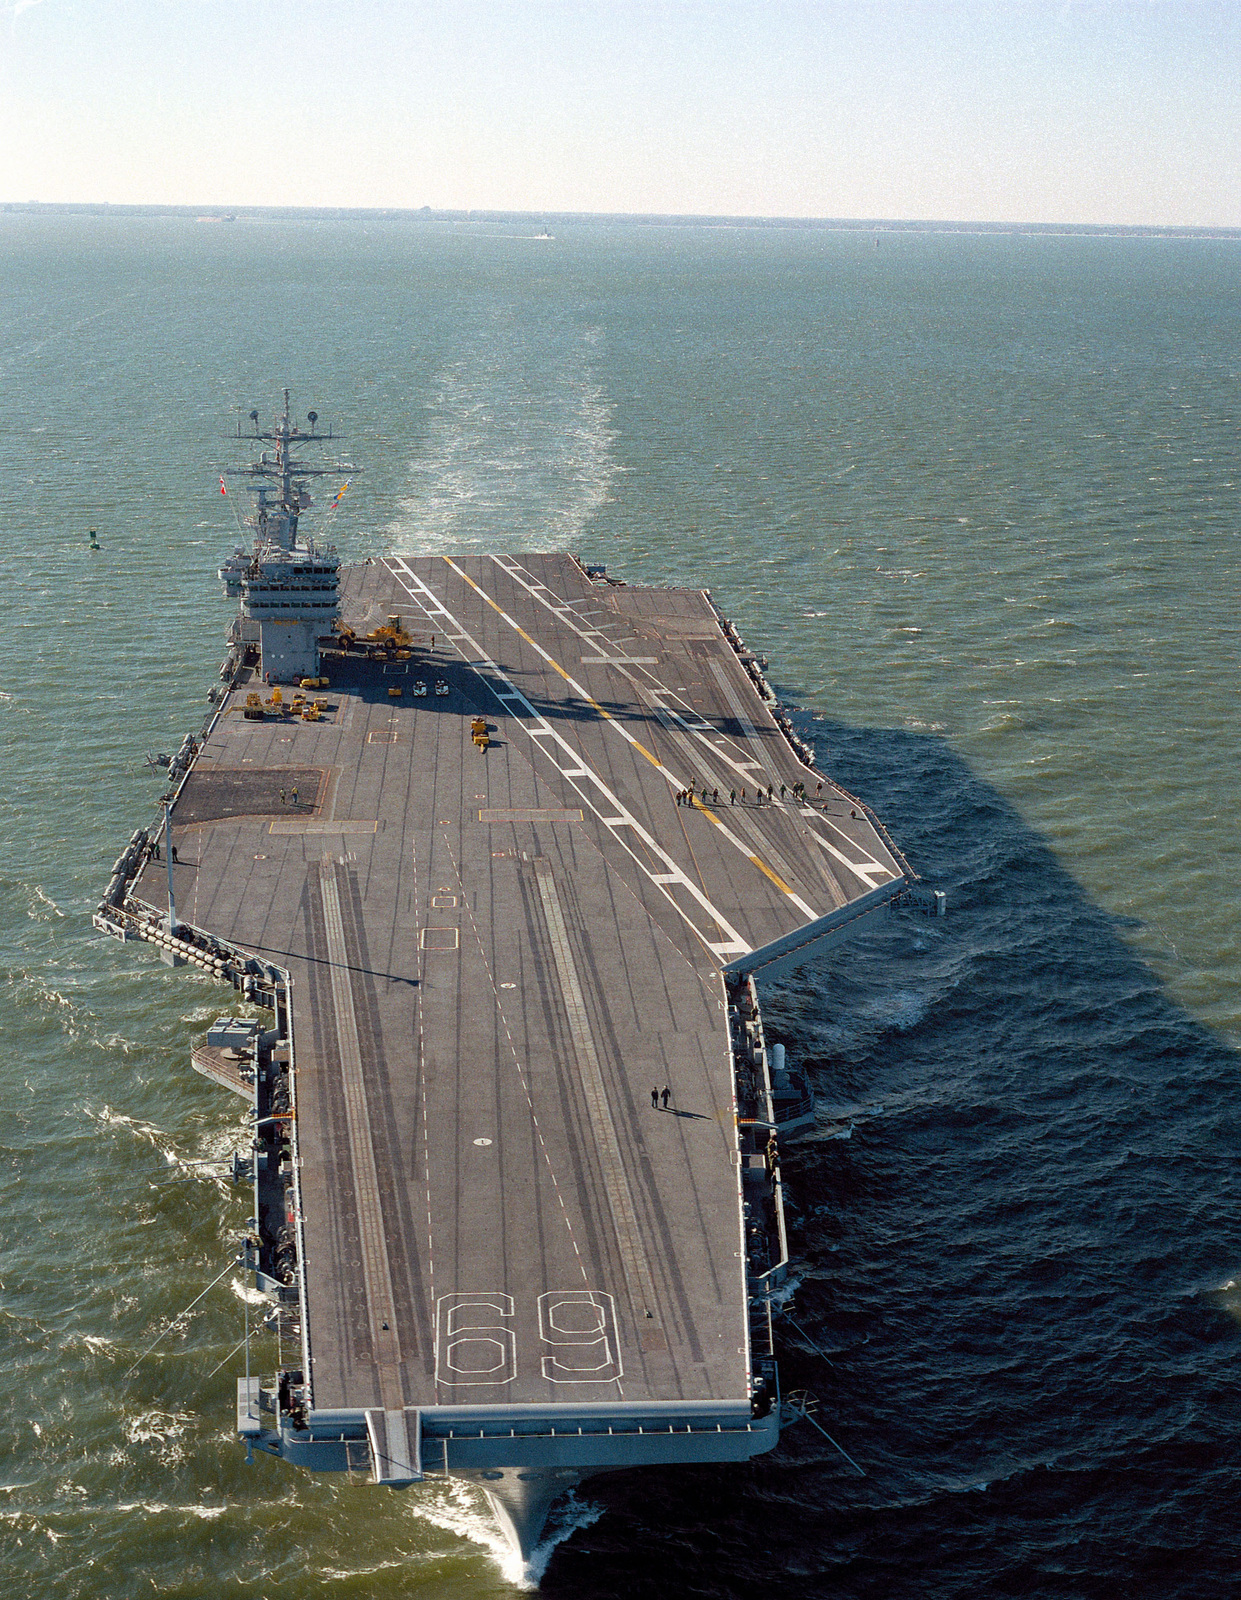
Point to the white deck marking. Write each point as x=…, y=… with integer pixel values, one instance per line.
x=422, y=1095
x=580, y=1326
x=868, y=870
x=673, y=781
x=537, y=727
x=291, y=825
x=751, y=732
x=473, y=1343
x=647, y=684
x=745, y=818
x=376, y=1268
x=634, y=1264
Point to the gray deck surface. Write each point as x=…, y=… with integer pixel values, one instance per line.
x=495, y=957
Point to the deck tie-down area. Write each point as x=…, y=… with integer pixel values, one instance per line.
x=523, y=1206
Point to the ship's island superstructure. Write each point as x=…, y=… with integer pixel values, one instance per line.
x=288, y=587
x=499, y=845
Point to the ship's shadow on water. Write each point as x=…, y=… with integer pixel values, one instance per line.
x=1016, y=1235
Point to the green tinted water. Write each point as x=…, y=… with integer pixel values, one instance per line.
x=977, y=488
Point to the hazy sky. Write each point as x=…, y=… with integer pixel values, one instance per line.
x=1046, y=111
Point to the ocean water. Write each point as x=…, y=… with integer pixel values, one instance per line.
x=977, y=500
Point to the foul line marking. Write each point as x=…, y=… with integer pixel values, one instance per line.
x=673, y=780
x=868, y=870
x=540, y=728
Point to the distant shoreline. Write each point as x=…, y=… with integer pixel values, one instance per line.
x=545, y=219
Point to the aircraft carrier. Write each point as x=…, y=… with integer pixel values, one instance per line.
x=495, y=848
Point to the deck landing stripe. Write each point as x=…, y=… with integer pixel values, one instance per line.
x=530, y=814
x=620, y=1199
x=376, y=1268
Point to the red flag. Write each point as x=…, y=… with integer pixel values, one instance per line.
x=223, y=490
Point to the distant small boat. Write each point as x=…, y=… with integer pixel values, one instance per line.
x=545, y=235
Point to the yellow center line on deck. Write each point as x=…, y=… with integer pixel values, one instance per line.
x=808, y=911
x=551, y=661
x=618, y=814
x=758, y=862
x=774, y=876
x=624, y=732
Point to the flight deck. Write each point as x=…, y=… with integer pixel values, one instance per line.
x=497, y=955
x=496, y=849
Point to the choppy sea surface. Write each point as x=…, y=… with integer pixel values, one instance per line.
x=977, y=499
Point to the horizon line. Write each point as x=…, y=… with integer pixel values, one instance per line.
x=223, y=212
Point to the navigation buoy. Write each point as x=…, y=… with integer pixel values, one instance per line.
x=94, y=540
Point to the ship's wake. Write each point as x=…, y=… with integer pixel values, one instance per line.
x=459, y=1508
x=516, y=448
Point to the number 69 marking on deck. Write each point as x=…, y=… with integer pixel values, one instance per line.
x=475, y=1342
x=580, y=1326
x=472, y=1343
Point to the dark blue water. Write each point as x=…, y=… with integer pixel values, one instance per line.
x=975, y=499
x=1016, y=1263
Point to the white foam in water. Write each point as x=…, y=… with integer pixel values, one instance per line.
x=163, y=1432
x=249, y=1294
x=501, y=462
x=157, y=1508
x=567, y=1516
x=107, y=1117
x=461, y=1509
x=902, y=1009
x=41, y=904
